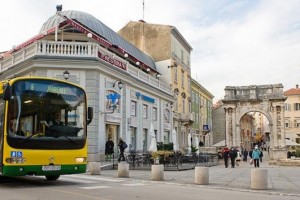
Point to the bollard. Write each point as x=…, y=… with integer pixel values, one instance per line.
x=157, y=172
x=123, y=169
x=95, y=168
x=201, y=175
x=259, y=179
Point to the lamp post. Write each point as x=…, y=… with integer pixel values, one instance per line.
x=66, y=74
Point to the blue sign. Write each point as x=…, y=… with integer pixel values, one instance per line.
x=16, y=154
x=145, y=98
x=13, y=154
x=206, y=128
x=19, y=154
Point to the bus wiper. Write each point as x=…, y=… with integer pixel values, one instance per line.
x=28, y=138
x=71, y=140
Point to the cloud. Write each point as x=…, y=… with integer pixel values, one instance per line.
x=258, y=48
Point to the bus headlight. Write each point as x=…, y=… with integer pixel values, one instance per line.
x=80, y=160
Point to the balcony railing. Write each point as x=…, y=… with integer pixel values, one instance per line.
x=80, y=50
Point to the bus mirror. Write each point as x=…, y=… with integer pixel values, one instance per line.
x=90, y=115
x=7, y=92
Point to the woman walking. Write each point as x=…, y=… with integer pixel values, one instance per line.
x=255, y=156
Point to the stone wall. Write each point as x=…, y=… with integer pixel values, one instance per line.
x=218, y=124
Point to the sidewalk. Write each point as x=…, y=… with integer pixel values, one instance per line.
x=281, y=179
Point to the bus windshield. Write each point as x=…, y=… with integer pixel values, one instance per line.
x=46, y=114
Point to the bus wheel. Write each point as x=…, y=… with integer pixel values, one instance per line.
x=52, y=177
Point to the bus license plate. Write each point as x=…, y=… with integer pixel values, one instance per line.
x=51, y=168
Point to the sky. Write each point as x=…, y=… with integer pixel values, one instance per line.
x=235, y=42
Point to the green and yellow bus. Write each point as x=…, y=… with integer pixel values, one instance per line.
x=30, y=143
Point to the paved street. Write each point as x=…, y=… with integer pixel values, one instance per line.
x=224, y=183
x=282, y=180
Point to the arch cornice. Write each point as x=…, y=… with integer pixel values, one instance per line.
x=244, y=111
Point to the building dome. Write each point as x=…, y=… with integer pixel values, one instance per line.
x=101, y=29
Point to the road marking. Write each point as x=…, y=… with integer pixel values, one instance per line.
x=98, y=178
x=94, y=187
x=104, y=187
x=64, y=178
x=134, y=184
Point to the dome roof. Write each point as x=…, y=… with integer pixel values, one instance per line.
x=101, y=29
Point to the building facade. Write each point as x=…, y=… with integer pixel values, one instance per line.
x=172, y=55
x=202, y=114
x=292, y=114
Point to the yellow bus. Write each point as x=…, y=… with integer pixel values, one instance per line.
x=31, y=142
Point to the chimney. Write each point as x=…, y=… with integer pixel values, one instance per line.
x=297, y=86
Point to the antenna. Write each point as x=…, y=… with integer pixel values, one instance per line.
x=143, y=36
x=143, y=10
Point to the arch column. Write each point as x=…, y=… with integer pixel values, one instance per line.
x=226, y=127
x=238, y=135
x=234, y=134
x=282, y=128
x=274, y=128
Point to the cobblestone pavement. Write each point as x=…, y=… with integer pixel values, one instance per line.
x=283, y=180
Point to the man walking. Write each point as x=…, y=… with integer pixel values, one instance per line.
x=233, y=155
x=225, y=156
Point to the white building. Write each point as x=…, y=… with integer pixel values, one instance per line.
x=99, y=60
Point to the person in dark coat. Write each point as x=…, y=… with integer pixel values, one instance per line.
x=56, y=119
x=225, y=152
x=245, y=155
x=233, y=155
x=109, y=149
x=250, y=153
x=260, y=156
x=122, y=149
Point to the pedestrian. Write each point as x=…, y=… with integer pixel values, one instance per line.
x=256, y=156
x=225, y=152
x=250, y=153
x=260, y=156
x=233, y=155
x=245, y=155
x=238, y=157
x=122, y=146
x=109, y=149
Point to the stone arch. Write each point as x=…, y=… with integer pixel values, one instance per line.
x=266, y=114
x=265, y=99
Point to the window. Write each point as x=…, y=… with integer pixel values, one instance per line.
x=175, y=75
x=183, y=105
x=296, y=106
x=133, y=108
x=182, y=79
x=287, y=107
x=297, y=123
x=154, y=114
x=166, y=137
x=166, y=116
x=145, y=111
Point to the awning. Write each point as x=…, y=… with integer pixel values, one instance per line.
x=291, y=143
x=219, y=144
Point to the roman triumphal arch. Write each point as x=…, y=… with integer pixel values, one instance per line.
x=266, y=99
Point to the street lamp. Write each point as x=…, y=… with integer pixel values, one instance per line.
x=119, y=83
x=66, y=74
